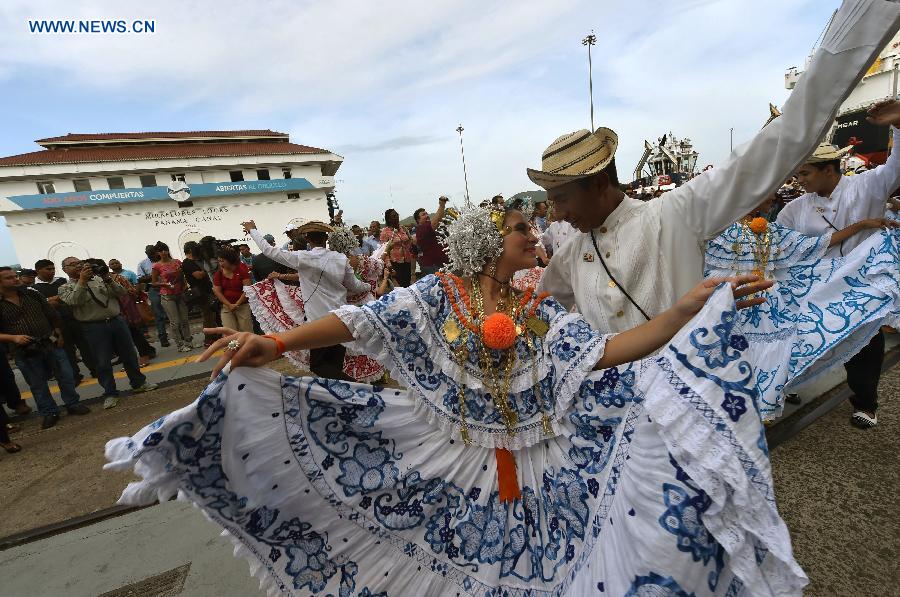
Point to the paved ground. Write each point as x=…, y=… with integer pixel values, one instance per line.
x=836, y=487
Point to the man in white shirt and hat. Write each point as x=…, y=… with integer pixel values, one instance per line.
x=325, y=279
x=832, y=202
x=632, y=259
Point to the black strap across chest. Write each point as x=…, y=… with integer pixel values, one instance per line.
x=614, y=281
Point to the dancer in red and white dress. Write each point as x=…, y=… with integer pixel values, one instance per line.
x=279, y=307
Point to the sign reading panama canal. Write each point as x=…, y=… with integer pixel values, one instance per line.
x=209, y=189
x=187, y=215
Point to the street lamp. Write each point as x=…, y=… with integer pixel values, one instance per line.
x=589, y=41
x=462, y=150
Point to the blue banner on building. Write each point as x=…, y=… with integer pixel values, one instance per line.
x=179, y=192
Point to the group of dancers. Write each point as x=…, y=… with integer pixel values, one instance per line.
x=601, y=433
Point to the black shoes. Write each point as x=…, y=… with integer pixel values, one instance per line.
x=164, y=342
x=78, y=409
x=50, y=421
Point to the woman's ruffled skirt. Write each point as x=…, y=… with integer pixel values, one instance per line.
x=820, y=314
x=659, y=484
x=279, y=308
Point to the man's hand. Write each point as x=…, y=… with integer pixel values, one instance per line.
x=354, y=261
x=274, y=276
x=230, y=306
x=87, y=272
x=60, y=341
x=885, y=113
x=53, y=301
x=248, y=226
x=22, y=340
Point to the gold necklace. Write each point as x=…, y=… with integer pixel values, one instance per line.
x=497, y=383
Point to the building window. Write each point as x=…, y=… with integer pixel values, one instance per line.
x=262, y=174
x=286, y=172
x=236, y=175
x=178, y=177
x=148, y=180
x=82, y=185
x=293, y=195
x=116, y=182
x=46, y=187
x=56, y=216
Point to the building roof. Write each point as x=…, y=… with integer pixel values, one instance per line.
x=118, y=153
x=179, y=135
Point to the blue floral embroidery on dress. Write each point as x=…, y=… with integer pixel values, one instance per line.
x=734, y=405
x=683, y=518
x=654, y=585
x=717, y=353
x=367, y=470
x=482, y=535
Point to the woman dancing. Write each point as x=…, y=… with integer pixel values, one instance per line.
x=528, y=454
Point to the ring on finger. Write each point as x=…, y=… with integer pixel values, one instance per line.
x=234, y=345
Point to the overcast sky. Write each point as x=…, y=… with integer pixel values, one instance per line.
x=385, y=84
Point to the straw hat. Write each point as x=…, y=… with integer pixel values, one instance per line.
x=314, y=227
x=575, y=155
x=826, y=152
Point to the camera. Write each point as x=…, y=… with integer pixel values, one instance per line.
x=98, y=266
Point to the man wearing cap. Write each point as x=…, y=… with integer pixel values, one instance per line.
x=833, y=202
x=632, y=259
x=325, y=279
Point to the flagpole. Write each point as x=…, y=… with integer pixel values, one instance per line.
x=589, y=41
x=462, y=151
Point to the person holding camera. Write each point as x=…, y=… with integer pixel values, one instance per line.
x=94, y=301
x=33, y=329
x=168, y=276
x=431, y=256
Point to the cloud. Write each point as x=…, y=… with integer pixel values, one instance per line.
x=389, y=144
x=386, y=84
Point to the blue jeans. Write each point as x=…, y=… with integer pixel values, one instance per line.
x=37, y=370
x=110, y=337
x=159, y=314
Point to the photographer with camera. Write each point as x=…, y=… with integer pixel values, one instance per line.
x=33, y=329
x=169, y=278
x=94, y=301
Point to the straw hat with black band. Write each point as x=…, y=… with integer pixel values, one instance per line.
x=826, y=152
x=314, y=227
x=574, y=156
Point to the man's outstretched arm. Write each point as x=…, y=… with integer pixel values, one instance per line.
x=717, y=198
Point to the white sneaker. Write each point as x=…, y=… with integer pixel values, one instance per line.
x=145, y=388
x=186, y=348
x=111, y=402
x=863, y=420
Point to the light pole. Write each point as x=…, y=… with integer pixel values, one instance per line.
x=589, y=41
x=731, y=138
x=462, y=151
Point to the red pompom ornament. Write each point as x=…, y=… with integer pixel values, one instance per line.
x=498, y=331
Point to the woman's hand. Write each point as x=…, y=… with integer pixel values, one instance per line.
x=875, y=223
x=691, y=303
x=252, y=351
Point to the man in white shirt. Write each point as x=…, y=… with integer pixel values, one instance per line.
x=633, y=258
x=325, y=279
x=832, y=202
x=556, y=235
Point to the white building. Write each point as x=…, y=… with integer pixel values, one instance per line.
x=108, y=195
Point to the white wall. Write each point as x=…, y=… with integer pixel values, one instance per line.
x=122, y=230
